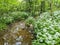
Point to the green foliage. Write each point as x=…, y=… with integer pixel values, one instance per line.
x=6, y=19
x=13, y=16
x=22, y=6
x=19, y=15
x=47, y=29
x=3, y=26
x=8, y=5
x=30, y=20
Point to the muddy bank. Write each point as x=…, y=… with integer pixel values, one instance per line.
x=17, y=34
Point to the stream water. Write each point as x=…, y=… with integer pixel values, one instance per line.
x=17, y=35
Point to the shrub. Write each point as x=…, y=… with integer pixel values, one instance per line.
x=19, y=15
x=30, y=20
x=6, y=19
x=3, y=26
x=48, y=30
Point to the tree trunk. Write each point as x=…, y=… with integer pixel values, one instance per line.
x=42, y=6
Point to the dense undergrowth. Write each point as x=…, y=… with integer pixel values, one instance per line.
x=9, y=18
x=46, y=27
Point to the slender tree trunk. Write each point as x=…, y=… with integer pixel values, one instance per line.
x=29, y=6
x=51, y=7
x=42, y=6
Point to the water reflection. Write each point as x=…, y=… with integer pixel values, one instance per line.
x=18, y=43
x=5, y=43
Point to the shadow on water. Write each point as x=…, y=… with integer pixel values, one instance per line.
x=17, y=35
